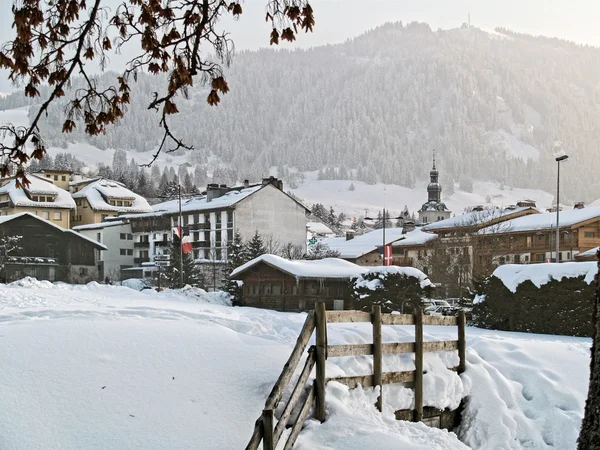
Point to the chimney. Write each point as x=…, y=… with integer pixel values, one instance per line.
x=273, y=181
x=579, y=205
x=246, y=184
x=526, y=204
x=409, y=225
x=212, y=192
x=349, y=235
x=477, y=208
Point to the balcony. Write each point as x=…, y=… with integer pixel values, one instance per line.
x=141, y=244
x=402, y=261
x=162, y=243
x=199, y=226
x=141, y=260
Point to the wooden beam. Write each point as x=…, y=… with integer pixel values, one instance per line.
x=418, y=365
x=367, y=380
x=440, y=320
x=397, y=319
x=348, y=316
x=377, y=355
x=267, y=423
x=462, y=342
x=298, y=389
x=389, y=348
x=300, y=419
x=440, y=346
x=321, y=325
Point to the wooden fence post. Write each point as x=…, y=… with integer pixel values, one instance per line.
x=267, y=423
x=377, y=357
x=321, y=323
x=418, y=365
x=462, y=341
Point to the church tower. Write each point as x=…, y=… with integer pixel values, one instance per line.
x=434, y=210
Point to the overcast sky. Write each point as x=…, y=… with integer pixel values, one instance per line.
x=338, y=20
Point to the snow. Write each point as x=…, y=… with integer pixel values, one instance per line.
x=200, y=202
x=8, y=218
x=588, y=253
x=319, y=228
x=478, y=218
x=512, y=275
x=95, y=226
x=365, y=243
x=415, y=237
x=320, y=268
x=546, y=221
x=38, y=186
x=100, y=366
x=98, y=192
x=383, y=271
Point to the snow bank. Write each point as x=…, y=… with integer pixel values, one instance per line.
x=383, y=271
x=512, y=275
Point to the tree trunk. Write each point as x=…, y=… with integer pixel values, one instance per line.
x=589, y=436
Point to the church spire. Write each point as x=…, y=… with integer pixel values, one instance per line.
x=434, y=159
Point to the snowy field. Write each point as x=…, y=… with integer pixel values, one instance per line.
x=109, y=367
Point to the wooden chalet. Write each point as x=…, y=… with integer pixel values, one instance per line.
x=273, y=282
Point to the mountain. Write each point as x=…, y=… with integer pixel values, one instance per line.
x=492, y=104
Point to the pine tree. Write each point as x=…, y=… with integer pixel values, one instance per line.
x=256, y=246
x=351, y=187
x=237, y=255
x=188, y=185
x=379, y=221
x=191, y=272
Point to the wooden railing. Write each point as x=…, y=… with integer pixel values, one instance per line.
x=270, y=434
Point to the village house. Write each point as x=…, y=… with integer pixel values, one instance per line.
x=273, y=282
x=48, y=251
x=97, y=199
x=58, y=177
x=41, y=197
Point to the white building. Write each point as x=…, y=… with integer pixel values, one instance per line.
x=118, y=239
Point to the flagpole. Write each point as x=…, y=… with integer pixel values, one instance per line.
x=180, y=236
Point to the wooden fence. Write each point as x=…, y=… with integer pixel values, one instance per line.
x=270, y=434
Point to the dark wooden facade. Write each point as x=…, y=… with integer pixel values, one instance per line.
x=49, y=252
x=268, y=287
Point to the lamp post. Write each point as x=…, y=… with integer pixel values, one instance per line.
x=558, y=161
x=383, y=240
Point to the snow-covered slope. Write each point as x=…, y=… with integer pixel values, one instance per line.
x=109, y=367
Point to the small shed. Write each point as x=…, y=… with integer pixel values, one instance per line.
x=272, y=282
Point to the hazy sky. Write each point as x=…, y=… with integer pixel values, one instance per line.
x=338, y=20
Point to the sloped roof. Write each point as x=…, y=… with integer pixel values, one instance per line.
x=318, y=228
x=363, y=244
x=10, y=217
x=478, y=218
x=589, y=253
x=97, y=193
x=320, y=268
x=547, y=221
x=38, y=186
x=415, y=237
x=98, y=226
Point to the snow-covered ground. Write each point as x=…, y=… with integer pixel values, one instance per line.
x=109, y=367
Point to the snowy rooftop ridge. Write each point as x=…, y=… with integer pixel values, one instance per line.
x=512, y=275
x=4, y=219
x=98, y=226
x=478, y=218
x=37, y=186
x=546, y=221
x=365, y=243
x=415, y=237
x=98, y=192
x=320, y=268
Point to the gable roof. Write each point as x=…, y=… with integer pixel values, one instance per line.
x=98, y=192
x=319, y=268
x=479, y=219
x=11, y=217
x=363, y=244
x=414, y=237
x=547, y=221
x=37, y=186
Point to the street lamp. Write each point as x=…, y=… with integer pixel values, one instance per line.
x=385, y=217
x=558, y=161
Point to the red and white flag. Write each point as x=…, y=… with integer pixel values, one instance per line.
x=186, y=240
x=387, y=255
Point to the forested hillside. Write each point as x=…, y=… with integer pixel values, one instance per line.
x=491, y=104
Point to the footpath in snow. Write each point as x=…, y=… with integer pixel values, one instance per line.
x=109, y=367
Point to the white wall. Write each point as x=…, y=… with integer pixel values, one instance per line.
x=272, y=213
x=112, y=258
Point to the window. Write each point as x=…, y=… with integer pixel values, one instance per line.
x=82, y=270
x=112, y=202
x=276, y=289
x=64, y=178
x=526, y=258
x=218, y=254
x=123, y=252
x=34, y=198
x=218, y=219
x=191, y=218
x=218, y=237
x=45, y=215
x=266, y=289
x=294, y=290
x=540, y=257
x=590, y=234
x=229, y=235
x=56, y=177
x=99, y=237
x=129, y=237
x=119, y=203
x=129, y=252
x=47, y=176
x=229, y=219
x=122, y=236
x=57, y=216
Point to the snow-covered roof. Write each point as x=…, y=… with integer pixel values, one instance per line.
x=477, y=218
x=318, y=228
x=98, y=193
x=37, y=186
x=512, y=275
x=546, y=221
x=385, y=270
x=5, y=219
x=97, y=226
x=415, y=237
x=589, y=253
x=200, y=202
x=365, y=243
x=320, y=268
